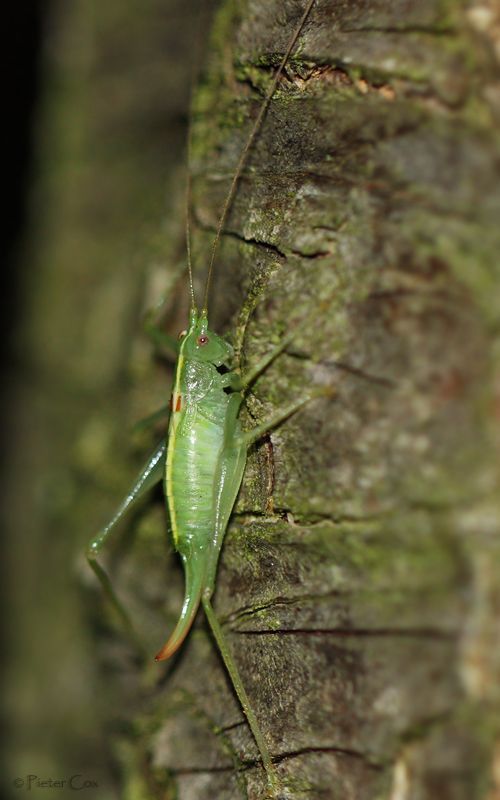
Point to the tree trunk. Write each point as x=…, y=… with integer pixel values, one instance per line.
x=359, y=576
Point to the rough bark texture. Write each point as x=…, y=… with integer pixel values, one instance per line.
x=360, y=575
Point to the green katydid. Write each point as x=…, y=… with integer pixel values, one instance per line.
x=203, y=460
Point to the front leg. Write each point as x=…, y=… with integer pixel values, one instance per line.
x=232, y=380
x=251, y=436
x=260, y=366
x=237, y=382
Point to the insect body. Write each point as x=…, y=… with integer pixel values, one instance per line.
x=206, y=455
x=203, y=461
x=202, y=467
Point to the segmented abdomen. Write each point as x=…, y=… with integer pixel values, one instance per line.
x=192, y=458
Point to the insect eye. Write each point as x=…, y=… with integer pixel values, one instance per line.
x=182, y=334
x=202, y=339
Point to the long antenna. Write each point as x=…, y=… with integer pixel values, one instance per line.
x=195, y=65
x=188, y=218
x=248, y=145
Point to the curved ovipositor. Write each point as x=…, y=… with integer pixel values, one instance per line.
x=194, y=573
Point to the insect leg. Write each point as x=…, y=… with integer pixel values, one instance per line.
x=264, y=362
x=255, y=433
x=153, y=418
x=163, y=341
x=251, y=436
x=231, y=380
x=240, y=690
x=228, y=479
x=150, y=474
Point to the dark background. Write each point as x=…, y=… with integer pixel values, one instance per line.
x=22, y=52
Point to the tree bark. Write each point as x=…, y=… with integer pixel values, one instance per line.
x=359, y=578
